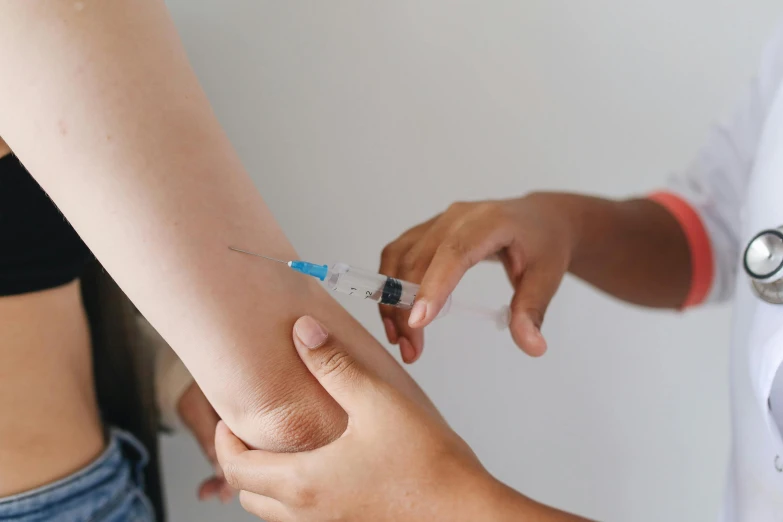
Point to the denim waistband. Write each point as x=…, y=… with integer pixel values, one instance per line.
x=108, y=477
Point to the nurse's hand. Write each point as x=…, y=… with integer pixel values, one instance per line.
x=394, y=462
x=532, y=236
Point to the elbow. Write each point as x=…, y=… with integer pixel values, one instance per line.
x=298, y=419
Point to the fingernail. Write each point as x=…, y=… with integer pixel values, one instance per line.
x=535, y=344
x=310, y=332
x=540, y=342
x=391, y=331
x=418, y=313
x=406, y=350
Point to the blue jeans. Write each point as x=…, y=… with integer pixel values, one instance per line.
x=110, y=489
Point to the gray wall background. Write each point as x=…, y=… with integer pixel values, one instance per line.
x=360, y=119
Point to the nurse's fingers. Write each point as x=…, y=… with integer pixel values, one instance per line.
x=261, y=472
x=413, y=267
x=263, y=507
x=349, y=383
x=476, y=238
x=209, y=488
x=528, y=306
x=416, y=261
x=216, y=487
x=411, y=340
x=390, y=261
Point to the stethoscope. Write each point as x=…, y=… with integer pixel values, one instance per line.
x=763, y=262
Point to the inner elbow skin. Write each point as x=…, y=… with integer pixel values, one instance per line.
x=292, y=422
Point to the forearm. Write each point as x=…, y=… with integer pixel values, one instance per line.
x=106, y=113
x=634, y=249
x=497, y=502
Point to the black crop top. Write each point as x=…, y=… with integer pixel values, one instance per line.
x=38, y=248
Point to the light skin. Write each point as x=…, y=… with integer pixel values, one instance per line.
x=45, y=381
x=200, y=418
x=105, y=112
x=395, y=461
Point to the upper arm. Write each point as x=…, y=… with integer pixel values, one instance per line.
x=707, y=198
x=105, y=112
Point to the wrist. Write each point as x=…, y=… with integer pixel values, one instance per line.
x=566, y=213
x=490, y=499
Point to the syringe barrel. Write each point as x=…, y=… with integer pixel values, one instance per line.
x=370, y=285
x=394, y=292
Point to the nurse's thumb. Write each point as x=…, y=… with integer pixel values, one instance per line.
x=342, y=376
x=528, y=306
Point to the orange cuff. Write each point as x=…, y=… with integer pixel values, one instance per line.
x=702, y=260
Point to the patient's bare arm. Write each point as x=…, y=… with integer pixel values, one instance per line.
x=105, y=112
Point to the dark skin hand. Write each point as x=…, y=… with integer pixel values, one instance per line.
x=395, y=461
x=634, y=250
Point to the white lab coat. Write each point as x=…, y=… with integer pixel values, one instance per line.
x=735, y=188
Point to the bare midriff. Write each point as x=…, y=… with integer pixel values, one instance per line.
x=49, y=422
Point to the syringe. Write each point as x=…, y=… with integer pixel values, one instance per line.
x=382, y=289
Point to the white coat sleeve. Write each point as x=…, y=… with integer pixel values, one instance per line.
x=707, y=197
